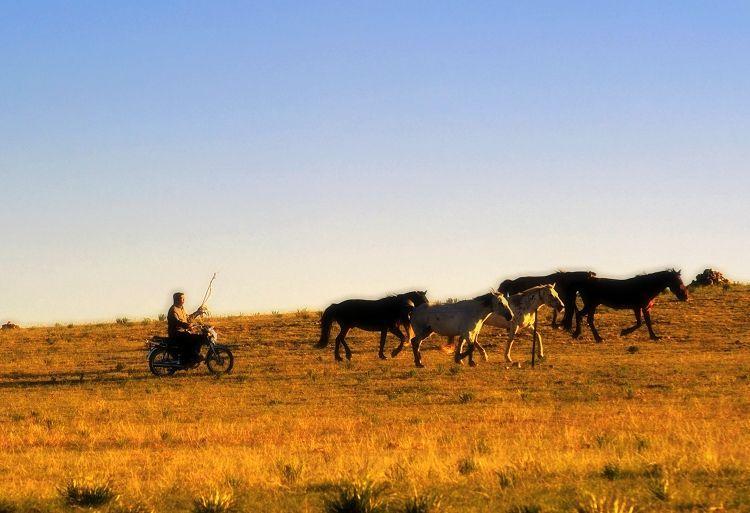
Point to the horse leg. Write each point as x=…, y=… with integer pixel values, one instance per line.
x=509, y=343
x=401, y=339
x=647, y=317
x=382, y=355
x=554, y=319
x=579, y=318
x=472, y=345
x=340, y=340
x=570, y=310
x=481, y=348
x=458, y=353
x=628, y=331
x=415, y=343
x=590, y=320
x=539, y=346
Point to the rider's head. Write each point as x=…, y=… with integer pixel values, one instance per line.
x=178, y=298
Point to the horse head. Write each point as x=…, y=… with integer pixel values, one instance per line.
x=552, y=299
x=419, y=297
x=504, y=287
x=500, y=305
x=676, y=285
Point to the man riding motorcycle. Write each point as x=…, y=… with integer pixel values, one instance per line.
x=178, y=328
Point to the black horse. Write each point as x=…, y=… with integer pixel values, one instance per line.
x=637, y=293
x=566, y=285
x=381, y=315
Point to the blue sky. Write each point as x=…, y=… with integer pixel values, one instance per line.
x=312, y=151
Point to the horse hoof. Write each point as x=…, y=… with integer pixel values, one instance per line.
x=419, y=365
x=655, y=338
x=339, y=359
x=472, y=364
x=599, y=340
x=349, y=357
x=394, y=353
x=382, y=357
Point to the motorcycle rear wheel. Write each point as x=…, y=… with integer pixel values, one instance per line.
x=160, y=356
x=220, y=361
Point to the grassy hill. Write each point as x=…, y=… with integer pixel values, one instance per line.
x=665, y=425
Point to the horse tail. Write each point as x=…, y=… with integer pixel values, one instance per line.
x=326, y=320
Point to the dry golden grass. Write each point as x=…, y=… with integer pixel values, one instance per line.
x=289, y=423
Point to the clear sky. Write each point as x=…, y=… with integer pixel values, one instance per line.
x=313, y=151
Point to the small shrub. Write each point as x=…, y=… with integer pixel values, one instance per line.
x=660, y=489
x=611, y=471
x=628, y=392
x=146, y=321
x=87, y=493
x=465, y=397
x=216, y=502
x=654, y=470
x=506, y=477
x=124, y=321
x=357, y=497
x=276, y=313
x=422, y=504
x=303, y=313
x=596, y=504
x=526, y=508
x=641, y=444
x=632, y=349
x=289, y=472
x=162, y=317
x=467, y=466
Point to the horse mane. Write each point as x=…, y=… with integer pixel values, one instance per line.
x=533, y=289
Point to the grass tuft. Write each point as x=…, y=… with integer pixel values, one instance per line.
x=87, y=493
x=217, y=502
x=526, y=508
x=660, y=489
x=357, y=497
x=427, y=503
x=594, y=504
x=7, y=507
x=611, y=471
x=290, y=472
x=467, y=466
x=465, y=397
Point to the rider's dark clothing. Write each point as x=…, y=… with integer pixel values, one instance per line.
x=178, y=328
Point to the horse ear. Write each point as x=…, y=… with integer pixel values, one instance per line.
x=679, y=272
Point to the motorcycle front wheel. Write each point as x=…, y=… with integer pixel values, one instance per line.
x=157, y=361
x=220, y=360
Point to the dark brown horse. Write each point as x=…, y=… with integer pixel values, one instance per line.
x=383, y=315
x=637, y=293
x=566, y=285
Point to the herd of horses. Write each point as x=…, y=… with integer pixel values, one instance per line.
x=512, y=307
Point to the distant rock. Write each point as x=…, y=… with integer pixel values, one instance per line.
x=709, y=277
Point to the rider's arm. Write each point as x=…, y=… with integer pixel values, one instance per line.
x=200, y=311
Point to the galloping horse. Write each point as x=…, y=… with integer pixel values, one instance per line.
x=381, y=315
x=523, y=306
x=566, y=284
x=637, y=293
x=463, y=319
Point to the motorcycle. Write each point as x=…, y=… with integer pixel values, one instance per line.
x=163, y=355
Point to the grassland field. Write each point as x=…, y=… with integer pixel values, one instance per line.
x=664, y=425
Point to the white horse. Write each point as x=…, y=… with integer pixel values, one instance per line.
x=523, y=306
x=463, y=319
